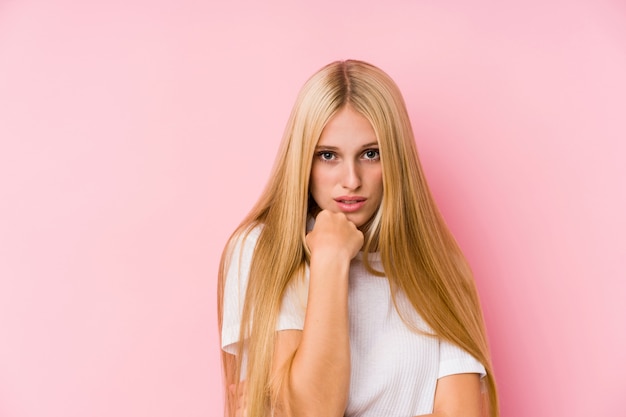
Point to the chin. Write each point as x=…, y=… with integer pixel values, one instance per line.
x=357, y=220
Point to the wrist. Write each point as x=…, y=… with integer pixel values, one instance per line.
x=331, y=256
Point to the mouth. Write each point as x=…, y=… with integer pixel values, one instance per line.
x=350, y=200
x=349, y=204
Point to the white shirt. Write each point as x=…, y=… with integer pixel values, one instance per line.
x=394, y=370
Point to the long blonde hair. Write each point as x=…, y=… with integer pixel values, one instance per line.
x=419, y=254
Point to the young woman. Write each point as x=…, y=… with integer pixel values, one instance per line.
x=343, y=293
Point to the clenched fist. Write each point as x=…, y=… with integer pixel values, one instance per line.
x=334, y=235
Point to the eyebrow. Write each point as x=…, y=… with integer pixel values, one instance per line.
x=334, y=148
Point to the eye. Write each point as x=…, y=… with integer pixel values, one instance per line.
x=326, y=155
x=371, y=154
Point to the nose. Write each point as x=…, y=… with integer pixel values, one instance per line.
x=351, y=177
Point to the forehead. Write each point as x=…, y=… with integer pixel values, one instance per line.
x=347, y=127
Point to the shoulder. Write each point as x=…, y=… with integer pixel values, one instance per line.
x=244, y=241
x=248, y=234
x=238, y=260
x=239, y=250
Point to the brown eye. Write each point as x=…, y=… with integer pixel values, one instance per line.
x=371, y=154
x=326, y=156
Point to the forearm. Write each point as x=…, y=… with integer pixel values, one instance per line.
x=320, y=371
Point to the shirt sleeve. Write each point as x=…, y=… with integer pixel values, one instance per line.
x=454, y=360
x=293, y=305
x=235, y=288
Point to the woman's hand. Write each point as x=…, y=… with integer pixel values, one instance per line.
x=335, y=235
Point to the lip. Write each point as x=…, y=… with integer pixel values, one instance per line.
x=350, y=203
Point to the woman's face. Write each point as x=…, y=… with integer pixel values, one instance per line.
x=346, y=175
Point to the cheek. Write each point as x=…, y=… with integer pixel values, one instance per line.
x=379, y=190
x=314, y=180
x=316, y=184
x=320, y=177
x=377, y=181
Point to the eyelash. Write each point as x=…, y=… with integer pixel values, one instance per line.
x=377, y=157
x=321, y=155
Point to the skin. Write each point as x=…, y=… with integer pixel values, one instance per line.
x=346, y=164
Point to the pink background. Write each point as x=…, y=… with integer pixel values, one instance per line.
x=136, y=134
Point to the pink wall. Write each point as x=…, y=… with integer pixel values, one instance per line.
x=136, y=134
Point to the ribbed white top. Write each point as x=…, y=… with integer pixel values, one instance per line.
x=394, y=370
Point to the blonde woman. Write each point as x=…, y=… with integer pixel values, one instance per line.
x=343, y=293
